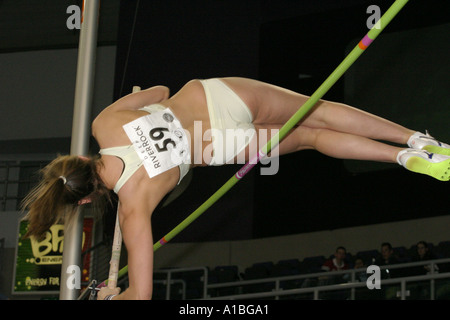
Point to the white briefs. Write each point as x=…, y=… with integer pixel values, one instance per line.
x=231, y=121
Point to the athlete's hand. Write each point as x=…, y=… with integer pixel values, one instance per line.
x=105, y=292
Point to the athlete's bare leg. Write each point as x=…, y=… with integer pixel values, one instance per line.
x=338, y=130
x=271, y=105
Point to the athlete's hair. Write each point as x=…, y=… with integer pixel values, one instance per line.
x=64, y=182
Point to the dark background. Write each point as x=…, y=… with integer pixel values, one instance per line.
x=172, y=42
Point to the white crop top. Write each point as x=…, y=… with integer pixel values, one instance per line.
x=159, y=143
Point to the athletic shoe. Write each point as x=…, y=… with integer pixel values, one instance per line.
x=422, y=161
x=426, y=142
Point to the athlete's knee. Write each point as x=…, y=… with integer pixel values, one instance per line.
x=308, y=138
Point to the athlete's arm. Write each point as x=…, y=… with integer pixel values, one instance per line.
x=137, y=235
x=137, y=100
x=131, y=102
x=135, y=210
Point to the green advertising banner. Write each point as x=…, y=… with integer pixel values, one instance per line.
x=38, y=263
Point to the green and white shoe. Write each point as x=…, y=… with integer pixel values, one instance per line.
x=424, y=162
x=426, y=142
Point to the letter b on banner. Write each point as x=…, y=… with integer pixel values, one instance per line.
x=373, y=281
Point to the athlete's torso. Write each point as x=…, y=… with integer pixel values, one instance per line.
x=188, y=105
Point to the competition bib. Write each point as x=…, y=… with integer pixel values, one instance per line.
x=159, y=140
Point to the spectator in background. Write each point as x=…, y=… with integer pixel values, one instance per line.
x=387, y=258
x=421, y=290
x=336, y=263
x=360, y=276
x=387, y=255
x=424, y=254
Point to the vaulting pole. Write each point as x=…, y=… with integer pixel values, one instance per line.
x=73, y=229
